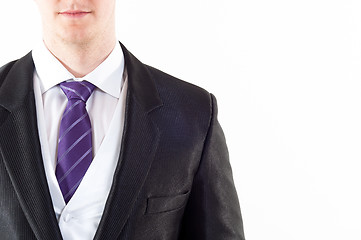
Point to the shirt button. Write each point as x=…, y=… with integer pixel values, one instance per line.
x=67, y=217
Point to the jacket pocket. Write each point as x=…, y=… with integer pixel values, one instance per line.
x=166, y=204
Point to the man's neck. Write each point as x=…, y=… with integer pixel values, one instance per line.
x=81, y=59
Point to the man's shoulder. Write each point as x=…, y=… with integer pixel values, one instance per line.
x=179, y=91
x=183, y=103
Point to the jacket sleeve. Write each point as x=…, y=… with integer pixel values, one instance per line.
x=212, y=211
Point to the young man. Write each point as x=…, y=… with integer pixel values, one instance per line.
x=96, y=145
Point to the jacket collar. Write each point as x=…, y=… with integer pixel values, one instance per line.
x=141, y=82
x=18, y=84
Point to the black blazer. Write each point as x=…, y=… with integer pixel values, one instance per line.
x=173, y=179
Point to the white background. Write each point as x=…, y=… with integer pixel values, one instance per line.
x=287, y=78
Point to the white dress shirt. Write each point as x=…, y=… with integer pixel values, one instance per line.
x=80, y=218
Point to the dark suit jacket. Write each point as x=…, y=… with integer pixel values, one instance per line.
x=173, y=180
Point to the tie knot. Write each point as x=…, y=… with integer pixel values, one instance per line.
x=77, y=90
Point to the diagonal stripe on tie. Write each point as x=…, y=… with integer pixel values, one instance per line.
x=90, y=91
x=72, y=125
x=75, y=138
x=70, y=108
x=73, y=145
x=72, y=167
x=73, y=91
x=71, y=191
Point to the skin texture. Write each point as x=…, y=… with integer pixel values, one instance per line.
x=80, y=33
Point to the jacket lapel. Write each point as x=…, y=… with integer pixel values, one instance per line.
x=20, y=149
x=139, y=144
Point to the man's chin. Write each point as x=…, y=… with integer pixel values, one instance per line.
x=76, y=39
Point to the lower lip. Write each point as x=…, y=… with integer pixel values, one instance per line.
x=75, y=15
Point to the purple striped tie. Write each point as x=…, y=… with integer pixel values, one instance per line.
x=75, y=138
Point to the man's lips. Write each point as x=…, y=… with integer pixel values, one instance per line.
x=74, y=14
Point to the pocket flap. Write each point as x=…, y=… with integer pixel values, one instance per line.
x=166, y=204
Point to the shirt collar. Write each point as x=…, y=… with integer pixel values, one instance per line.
x=108, y=76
